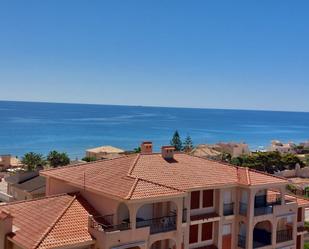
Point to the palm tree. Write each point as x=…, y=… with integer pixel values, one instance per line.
x=33, y=160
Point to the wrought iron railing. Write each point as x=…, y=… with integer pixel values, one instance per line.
x=284, y=235
x=263, y=210
x=159, y=225
x=228, y=209
x=241, y=241
x=105, y=223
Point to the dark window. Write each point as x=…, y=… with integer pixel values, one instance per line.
x=206, y=231
x=299, y=214
x=195, y=199
x=193, y=238
x=208, y=198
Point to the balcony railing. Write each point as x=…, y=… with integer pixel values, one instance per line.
x=264, y=204
x=243, y=208
x=105, y=223
x=284, y=235
x=241, y=241
x=159, y=225
x=263, y=210
x=228, y=209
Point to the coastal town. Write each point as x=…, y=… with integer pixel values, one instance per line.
x=183, y=196
x=154, y=124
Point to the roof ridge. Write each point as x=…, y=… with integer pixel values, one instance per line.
x=133, y=165
x=128, y=197
x=248, y=176
x=85, y=163
x=154, y=183
x=50, y=228
x=31, y=200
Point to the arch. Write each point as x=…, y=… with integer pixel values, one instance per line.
x=164, y=244
x=157, y=209
x=159, y=216
x=123, y=213
x=262, y=234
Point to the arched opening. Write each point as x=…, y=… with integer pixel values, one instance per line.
x=164, y=244
x=285, y=229
x=160, y=217
x=262, y=234
x=123, y=213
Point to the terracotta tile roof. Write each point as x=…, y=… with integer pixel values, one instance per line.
x=150, y=175
x=301, y=201
x=144, y=189
x=107, y=176
x=51, y=221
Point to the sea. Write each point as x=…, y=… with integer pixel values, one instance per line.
x=72, y=128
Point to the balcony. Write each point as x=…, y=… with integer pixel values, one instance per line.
x=159, y=225
x=241, y=241
x=243, y=208
x=284, y=235
x=264, y=204
x=105, y=223
x=228, y=209
x=263, y=210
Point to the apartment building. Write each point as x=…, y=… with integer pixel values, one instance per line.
x=156, y=201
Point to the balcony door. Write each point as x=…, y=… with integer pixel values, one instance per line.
x=227, y=236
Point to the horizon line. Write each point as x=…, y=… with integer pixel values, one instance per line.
x=153, y=106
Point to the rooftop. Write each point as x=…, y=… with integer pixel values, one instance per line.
x=50, y=222
x=141, y=176
x=105, y=149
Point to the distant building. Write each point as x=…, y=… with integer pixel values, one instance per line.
x=289, y=147
x=8, y=161
x=25, y=186
x=104, y=152
x=234, y=149
x=305, y=144
x=204, y=150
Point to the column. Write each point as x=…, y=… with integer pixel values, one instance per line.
x=133, y=212
x=250, y=216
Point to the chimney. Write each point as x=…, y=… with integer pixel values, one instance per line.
x=167, y=152
x=6, y=227
x=146, y=147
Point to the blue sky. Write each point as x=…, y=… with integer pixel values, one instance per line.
x=216, y=54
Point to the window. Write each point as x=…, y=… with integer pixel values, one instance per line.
x=193, y=237
x=195, y=199
x=208, y=198
x=207, y=231
x=299, y=215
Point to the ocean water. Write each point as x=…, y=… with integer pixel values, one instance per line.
x=41, y=127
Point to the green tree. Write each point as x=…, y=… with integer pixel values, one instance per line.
x=33, y=160
x=188, y=144
x=307, y=160
x=137, y=149
x=56, y=159
x=89, y=159
x=176, y=141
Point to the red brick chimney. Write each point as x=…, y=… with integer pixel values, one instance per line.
x=146, y=147
x=167, y=152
